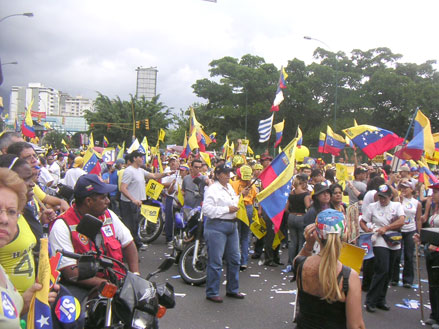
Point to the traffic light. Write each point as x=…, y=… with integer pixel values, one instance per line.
x=147, y=124
x=92, y=125
x=137, y=124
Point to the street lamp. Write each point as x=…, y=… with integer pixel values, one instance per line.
x=336, y=77
x=23, y=14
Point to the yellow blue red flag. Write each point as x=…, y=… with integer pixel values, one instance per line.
x=334, y=143
x=39, y=315
x=279, y=128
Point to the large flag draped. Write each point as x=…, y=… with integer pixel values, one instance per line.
x=264, y=129
x=334, y=143
x=27, y=126
x=373, y=140
x=275, y=196
x=39, y=315
x=422, y=140
x=279, y=128
x=279, y=93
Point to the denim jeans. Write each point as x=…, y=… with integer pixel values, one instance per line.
x=295, y=229
x=244, y=235
x=169, y=218
x=222, y=240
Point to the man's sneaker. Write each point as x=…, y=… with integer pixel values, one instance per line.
x=430, y=322
x=170, y=245
x=142, y=247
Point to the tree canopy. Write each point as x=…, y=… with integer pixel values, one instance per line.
x=113, y=118
x=374, y=87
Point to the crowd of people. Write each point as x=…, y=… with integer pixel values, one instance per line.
x=390, y=207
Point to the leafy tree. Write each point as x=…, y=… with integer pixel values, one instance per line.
x=54, y=138
x=113, y=118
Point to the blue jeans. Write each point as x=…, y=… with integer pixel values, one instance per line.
x=222, y=240
x=244, y=235
x=169, y=219
x=295, y=228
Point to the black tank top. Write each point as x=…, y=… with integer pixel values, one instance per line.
x=317, y=313
x=297, y=202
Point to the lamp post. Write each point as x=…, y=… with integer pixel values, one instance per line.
x=10, y=63
x=336, y=77
x=23, y=14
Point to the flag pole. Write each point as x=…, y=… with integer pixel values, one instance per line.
x=407, y=133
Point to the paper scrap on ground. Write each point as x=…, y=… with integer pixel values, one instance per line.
x=179, y=295
x=411, y=304
x=286, y=291
x=176, y=276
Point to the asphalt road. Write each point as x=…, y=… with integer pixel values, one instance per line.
x=269, y=301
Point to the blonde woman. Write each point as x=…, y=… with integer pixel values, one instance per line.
x=329, y=293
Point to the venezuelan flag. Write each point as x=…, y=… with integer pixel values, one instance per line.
x=322, y=139
x=426, y=176
x=422, y=140
x=373, y=140
x=334, y=143
x=279, y=128
x=27, y=126
x=39, y=315
x=274, y=197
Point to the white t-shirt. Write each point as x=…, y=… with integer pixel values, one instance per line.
x=59, y=238
x=55, y=170
x=44, y=177
x=72, y=176
x=410, y=207
x=135, y=180
x=382, y=216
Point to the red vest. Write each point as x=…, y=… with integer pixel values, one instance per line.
x=81, y=243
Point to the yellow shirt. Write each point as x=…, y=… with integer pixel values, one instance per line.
x=238, y=185
x=39, y=193
x=17, y=258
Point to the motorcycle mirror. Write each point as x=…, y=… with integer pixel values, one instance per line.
x=90, y=226
x=87, y=267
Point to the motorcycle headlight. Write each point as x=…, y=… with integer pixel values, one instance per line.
x=142, y=320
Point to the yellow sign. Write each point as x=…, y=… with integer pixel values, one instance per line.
x=242, y=211
x=150, y=213
x=378, y=159
x=341, y=172
x=258, y=226
x=153, y=189
x=352, y=256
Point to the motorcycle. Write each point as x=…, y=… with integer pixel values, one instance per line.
x=126, y=302
x=149, y=231
x=192, y=263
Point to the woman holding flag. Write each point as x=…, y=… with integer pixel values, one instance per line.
x=12, y=201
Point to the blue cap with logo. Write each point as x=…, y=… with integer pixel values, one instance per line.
x=91, y=184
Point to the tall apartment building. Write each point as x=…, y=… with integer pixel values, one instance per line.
x=47, y=100
x=146, y=82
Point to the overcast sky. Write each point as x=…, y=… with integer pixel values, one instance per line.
x=81, y=47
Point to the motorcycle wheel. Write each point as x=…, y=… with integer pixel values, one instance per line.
x=148, y=231
x=189, y=273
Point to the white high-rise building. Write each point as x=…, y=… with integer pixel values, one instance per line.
x=46, y=100
x=146, y=82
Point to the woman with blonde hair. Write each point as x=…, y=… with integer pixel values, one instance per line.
x=329, y=293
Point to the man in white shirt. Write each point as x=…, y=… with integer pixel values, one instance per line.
x=171, y=188
x=133, y=192
x=74, y=173
x=91, y=197
x=54, y=169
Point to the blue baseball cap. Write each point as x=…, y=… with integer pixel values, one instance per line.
x=90, y=184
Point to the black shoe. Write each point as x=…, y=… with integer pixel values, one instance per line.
x=278, y=262
x=383, y=307
x=215, y=299
x=243, y=267
x=270, y=263
x=370, y=308
x=394, y=283
x=407, y=285
x=256, y=256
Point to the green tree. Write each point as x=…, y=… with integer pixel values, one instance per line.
x=113, y=118
x=55, y=138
